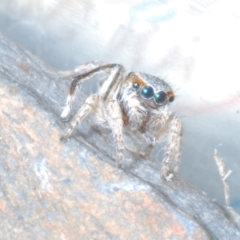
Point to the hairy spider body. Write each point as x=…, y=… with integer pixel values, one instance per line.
x=138, y=101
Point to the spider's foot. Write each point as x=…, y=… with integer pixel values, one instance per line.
x=65, y=136
x=119, y=163
x=65, y=112
x=165, y=172
x=137, y=152
x=145, y=155
x=169, y=177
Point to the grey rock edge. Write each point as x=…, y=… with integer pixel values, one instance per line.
x=73, y=190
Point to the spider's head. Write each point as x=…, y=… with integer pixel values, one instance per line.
x=150, y=90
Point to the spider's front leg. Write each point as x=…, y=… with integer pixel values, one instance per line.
x=106, y=96
x=111, y=83
x=166, y=125
x=116, y=124
x=84, y=68
x=79, y=75
x=173, y=148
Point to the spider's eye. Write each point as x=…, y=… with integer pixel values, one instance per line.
x=160, y=98
x=135, y=85
x=147, y=92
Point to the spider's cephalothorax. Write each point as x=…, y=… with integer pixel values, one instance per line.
x=137, y=101
x=141, y=98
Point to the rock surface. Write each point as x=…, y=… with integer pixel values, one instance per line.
x=72, y=190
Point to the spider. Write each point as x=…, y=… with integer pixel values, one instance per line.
x=137, y=102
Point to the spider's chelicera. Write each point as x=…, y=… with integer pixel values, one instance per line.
x=138, y=102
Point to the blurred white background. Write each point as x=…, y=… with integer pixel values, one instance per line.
x=192, y=44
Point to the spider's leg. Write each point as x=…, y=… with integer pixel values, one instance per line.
x=84, y=68
x=78, y=79
x=89, y=104
x=166, y=125
x=173, y=148
x=116, y=124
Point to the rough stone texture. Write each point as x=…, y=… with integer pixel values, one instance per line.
x=72, y=190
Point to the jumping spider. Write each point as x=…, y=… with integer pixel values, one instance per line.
x=137, y=101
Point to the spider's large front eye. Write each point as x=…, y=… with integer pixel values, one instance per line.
x=160, y=98
x=147, y=92
x=135, y=85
